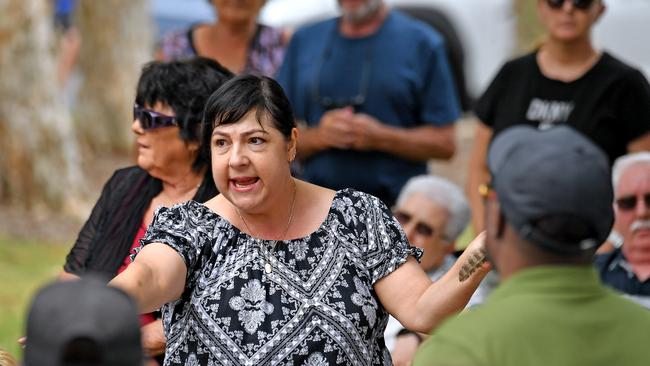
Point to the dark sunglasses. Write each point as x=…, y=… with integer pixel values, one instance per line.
x=629, y=203
x=150, y=119
x=421, y=228
x=578, y=4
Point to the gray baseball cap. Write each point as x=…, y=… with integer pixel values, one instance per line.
x=82, y=322
x=541, y=173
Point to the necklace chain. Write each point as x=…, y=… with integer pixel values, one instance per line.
x=286, y=229
x=267, y=265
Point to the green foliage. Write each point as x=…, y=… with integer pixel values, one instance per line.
x=24, y=267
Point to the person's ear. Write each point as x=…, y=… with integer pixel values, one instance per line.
x=193, y=146
x=292, y=148
x=601, y=9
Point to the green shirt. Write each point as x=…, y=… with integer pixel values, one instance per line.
x=550, y=315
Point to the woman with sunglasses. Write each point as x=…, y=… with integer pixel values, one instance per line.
x=236, y=40
x=171, y=168
x=565, y=81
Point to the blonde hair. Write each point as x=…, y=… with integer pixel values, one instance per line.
x=6, y=359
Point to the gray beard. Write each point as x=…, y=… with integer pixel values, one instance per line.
x=363, y=13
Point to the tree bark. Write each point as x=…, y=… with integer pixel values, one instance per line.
x=116, y=41
x=39, y=160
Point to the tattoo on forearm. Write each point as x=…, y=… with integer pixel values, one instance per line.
x=473, y=262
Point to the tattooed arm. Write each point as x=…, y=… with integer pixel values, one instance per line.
x=420, y=305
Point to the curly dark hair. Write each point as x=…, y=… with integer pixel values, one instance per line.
x=184, y=86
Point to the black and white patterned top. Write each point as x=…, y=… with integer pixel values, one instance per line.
x=317, y=306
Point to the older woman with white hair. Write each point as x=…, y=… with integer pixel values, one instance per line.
x=433, y=213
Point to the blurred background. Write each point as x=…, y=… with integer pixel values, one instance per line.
x=68, y=71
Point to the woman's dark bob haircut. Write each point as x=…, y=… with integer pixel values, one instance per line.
x=184, y=86
x=245, y=93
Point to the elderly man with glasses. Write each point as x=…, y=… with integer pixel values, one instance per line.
x=627, y=268
x=433, y=213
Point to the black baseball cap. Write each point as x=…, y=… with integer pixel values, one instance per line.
x=82, y=322
x=541, y=173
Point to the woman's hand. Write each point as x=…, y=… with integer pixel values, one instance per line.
x=153, y=338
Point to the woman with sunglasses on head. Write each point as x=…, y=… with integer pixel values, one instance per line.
x=236, y=39
x=565, y=81
x=171, y=168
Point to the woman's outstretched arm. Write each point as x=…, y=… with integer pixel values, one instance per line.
x=157, y=276
x=419, y=304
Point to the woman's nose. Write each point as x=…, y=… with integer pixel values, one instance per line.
x=136, y=127
x=237, y=156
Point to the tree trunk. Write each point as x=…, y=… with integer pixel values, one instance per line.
x=529, y=29
x=116, y=41
x=39, y=162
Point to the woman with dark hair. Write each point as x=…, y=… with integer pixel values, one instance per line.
x=565, y=81
x=274, y=270
x=171, y=168
x=236, y=40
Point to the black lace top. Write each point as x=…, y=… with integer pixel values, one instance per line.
x=316, y=307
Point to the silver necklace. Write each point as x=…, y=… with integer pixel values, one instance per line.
x=268, y=268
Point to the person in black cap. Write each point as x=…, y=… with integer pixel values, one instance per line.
x=549, y=208
x=83, y=322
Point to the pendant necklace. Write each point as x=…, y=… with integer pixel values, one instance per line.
x=268, y=268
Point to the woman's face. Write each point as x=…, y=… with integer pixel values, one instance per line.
x=161, y=151
x=250, y=163
x=237, y=10
x=568, y=23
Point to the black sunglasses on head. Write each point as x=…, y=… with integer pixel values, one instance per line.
x=578, y=4
x=628, y=203
x=150, y=119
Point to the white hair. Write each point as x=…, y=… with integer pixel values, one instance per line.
x=444, y=193
x=624, y=162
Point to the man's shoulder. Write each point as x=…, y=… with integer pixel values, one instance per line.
x=413, y=28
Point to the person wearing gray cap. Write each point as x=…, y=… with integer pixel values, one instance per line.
x=549, y=208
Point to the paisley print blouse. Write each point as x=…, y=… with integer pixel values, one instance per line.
x=316, y=307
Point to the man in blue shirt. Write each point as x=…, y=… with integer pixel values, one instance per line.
x=376, y=95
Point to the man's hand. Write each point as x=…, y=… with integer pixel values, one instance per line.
x=336, y=130
x=153, y=338
x=366, y=130
x=405, y=347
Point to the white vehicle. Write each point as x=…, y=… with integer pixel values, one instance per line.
x=480, y=34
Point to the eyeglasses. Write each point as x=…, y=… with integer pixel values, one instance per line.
x=150, y=119
x=578, y=4
x=629, y=203
x=421, y=228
